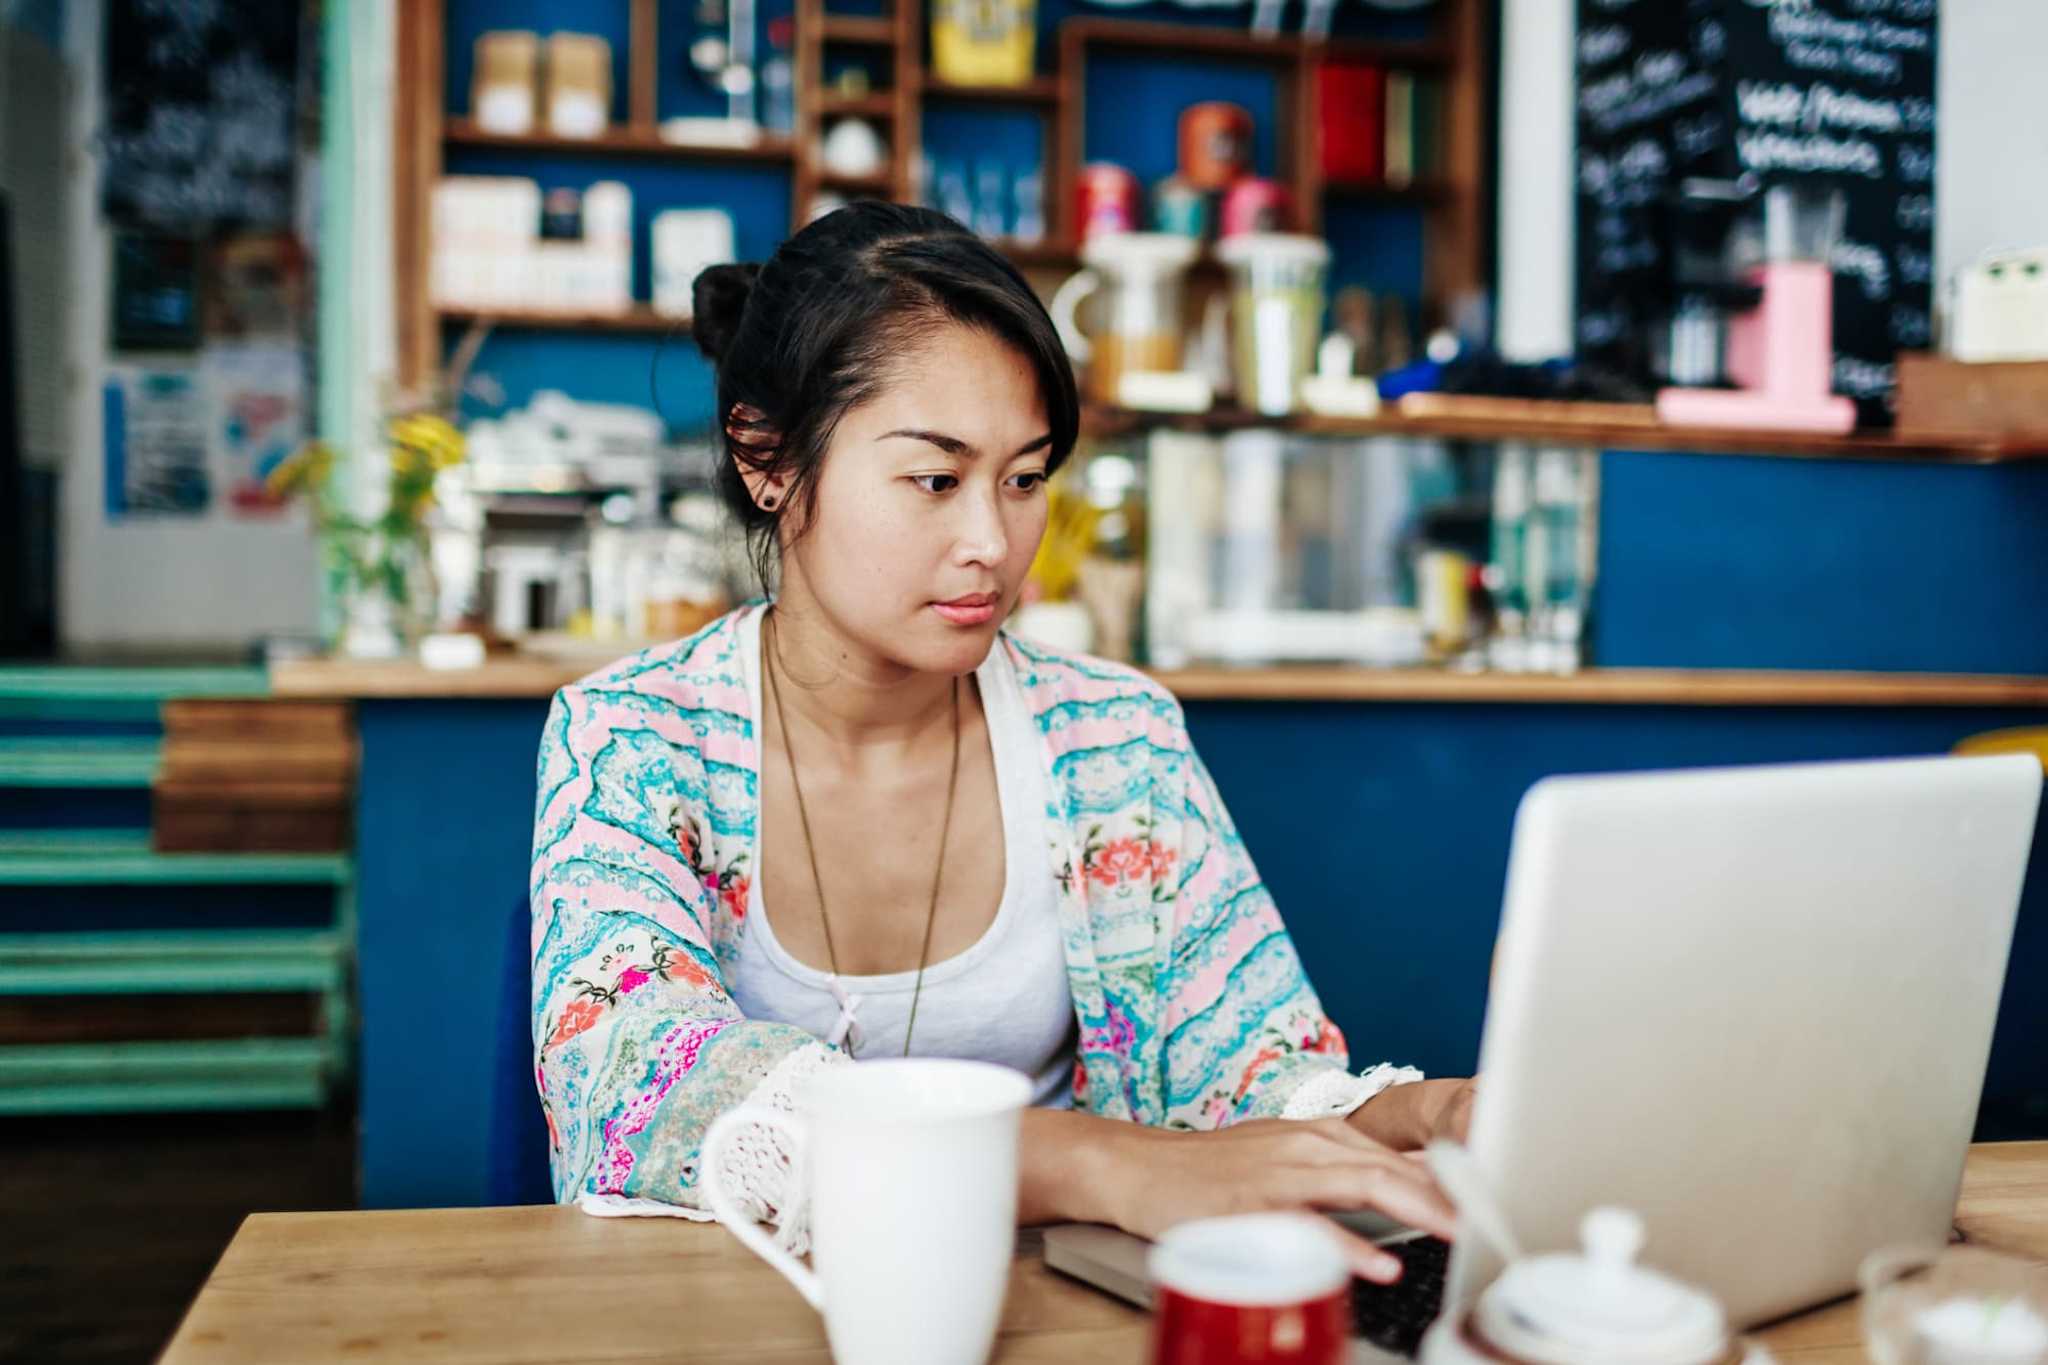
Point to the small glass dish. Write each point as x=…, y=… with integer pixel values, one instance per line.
x=1954, y=1305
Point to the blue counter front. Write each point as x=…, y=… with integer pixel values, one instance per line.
x=1381, y=828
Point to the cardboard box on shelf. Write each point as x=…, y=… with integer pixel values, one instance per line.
x=507, y=79
x=579, y=75
x=1941, y=398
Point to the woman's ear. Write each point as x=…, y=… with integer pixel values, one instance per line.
x=748, y=430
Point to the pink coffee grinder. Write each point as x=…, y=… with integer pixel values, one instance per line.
x=1781, y=352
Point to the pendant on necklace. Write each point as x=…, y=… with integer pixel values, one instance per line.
x=845, y=1029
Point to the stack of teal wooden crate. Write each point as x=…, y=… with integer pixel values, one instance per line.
x=137, y=980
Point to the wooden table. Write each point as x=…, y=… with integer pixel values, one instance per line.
x=551, y=1284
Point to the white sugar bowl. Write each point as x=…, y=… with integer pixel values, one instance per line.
x=1597, y=1306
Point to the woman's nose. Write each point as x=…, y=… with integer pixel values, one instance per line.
x=982, y=539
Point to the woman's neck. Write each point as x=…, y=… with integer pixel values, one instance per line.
x=864, y=707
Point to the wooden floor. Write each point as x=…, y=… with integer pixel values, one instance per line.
x=110, y=1223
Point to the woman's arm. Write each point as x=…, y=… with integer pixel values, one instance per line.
x=637, y=1045
x=1407, y=1117
x=1075, y=1167
x=1246, y=1037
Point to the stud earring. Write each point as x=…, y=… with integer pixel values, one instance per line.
x=767, y=504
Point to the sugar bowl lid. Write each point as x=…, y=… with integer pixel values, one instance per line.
x=1599, y=1307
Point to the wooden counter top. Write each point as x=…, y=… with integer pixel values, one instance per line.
x=523, y=677
x=1595, y=426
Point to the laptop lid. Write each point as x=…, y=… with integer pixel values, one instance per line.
x=1754, y=1005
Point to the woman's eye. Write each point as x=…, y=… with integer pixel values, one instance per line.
x=1031, y=482
x=935, y=483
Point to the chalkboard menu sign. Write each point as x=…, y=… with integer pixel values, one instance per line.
x=1839, y=92
x=198, y=105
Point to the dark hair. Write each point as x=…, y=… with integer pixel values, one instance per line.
x=810, y=335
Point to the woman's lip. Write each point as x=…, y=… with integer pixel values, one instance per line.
x=973, y=599
x=970, y=613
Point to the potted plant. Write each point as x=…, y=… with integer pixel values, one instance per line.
x=377, y=567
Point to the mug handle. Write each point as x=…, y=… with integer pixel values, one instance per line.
x=726, y=1206
x=1065, y=300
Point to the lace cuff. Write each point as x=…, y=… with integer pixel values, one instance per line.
x=625, y=1206
x=1334, y=1094
x=760, y=1167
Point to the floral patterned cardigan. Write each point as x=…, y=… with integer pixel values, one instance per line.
x=1194, y=1011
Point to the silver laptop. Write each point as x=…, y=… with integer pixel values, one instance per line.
x=1753, y=1004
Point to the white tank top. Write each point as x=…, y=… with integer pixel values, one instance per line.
x=1005, y=999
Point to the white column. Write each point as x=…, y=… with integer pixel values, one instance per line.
x=1537, y=142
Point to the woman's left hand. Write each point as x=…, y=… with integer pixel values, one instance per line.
x=1406, y=1117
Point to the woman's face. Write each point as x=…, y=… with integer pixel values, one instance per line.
x=930, y=504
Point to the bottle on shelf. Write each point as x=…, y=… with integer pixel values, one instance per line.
x=1028, y=229
x=989, y=195
x=954, y=199
x=1506, y=580
x=1558, y=597
x=778, y=79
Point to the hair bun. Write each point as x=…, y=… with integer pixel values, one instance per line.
x=717, y=298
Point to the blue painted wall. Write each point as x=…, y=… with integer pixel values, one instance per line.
x=1754, y=562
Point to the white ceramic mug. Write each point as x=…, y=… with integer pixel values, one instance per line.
x=911, y=1168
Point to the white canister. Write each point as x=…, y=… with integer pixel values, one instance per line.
x=853, y=148
x=1276, y=314
x=686, y=242
x=2001, y=308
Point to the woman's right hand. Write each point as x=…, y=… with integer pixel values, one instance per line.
x=1163, y=1177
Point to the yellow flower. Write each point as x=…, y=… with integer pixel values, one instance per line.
x=432, y=440
x=305, y=470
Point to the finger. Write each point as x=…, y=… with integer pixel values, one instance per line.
x=1396, y=1188
x=1368, y=1262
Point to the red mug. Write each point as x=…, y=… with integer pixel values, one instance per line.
x=1253, y=1289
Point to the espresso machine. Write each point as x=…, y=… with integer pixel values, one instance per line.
x=1779, y=349
x=1690, y=350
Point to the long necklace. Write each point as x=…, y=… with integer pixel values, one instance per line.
x=931, y=913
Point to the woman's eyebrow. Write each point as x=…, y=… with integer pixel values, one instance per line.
x=953, y=445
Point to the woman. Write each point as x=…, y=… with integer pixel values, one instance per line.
x=863, y=822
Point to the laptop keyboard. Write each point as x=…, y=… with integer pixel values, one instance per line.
x=1394, y=1316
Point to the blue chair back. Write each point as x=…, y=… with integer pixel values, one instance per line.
x=519, y=1135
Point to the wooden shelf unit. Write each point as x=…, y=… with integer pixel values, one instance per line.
x=858, y=29
x=1426, y=192
x=1567, y=427
x=881, y=104
x=894, y=108
x=1043, y=90
x=1452, y=196
x=879, y=183
x=639, y=318
x=619, y=142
